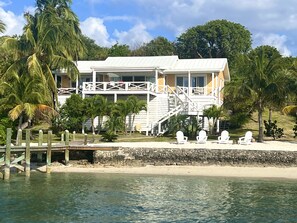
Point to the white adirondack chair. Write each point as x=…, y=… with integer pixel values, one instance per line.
x=202, y=137
x=181, y=139
x=224, y=137
x=247, y=139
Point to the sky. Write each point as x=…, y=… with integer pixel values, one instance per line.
x=134, y=22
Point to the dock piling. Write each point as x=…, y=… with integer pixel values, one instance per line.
x=7, y=155
x=40, y=141
x=27, y=153
x=67, y=148
x=49, y=152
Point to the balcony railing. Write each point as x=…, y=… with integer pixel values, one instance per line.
x=67, y=91
x=119, y=86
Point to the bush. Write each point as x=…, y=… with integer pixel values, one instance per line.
x=271, y=129
x=237, y=120
x=109, y=136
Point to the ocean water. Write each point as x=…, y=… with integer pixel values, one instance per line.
x=81, y=197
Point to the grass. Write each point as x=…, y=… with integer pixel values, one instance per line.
x=283, y=121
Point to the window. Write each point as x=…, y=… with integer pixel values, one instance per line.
x=139, y=78
x=182, y=81
x=127, y=78
x=198, y=81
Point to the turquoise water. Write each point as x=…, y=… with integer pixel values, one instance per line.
x=73, y=197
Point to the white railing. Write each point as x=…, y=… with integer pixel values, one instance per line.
x=201, y=91
x=119, y=86
x=66, y=91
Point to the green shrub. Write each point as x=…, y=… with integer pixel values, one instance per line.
x=237, y=120
x=271, y=129
x=109, y=136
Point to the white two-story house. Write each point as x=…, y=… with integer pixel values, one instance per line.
x=169, y=85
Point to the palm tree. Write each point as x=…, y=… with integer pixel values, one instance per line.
x=95, y=106
x=213, y=113
x=2, y=27
x=51, y=40
x=261, y=80
x=23, y=97
x=135, y=106
x=123, y=110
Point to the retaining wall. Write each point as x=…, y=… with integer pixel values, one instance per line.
x=165, y=156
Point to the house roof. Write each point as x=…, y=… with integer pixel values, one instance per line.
x=201, y=66
x=166, y=64
x=84, y=66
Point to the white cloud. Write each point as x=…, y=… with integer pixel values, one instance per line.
x=134, y=36
x=272, y=39
x=14, y=23
x=96, y=30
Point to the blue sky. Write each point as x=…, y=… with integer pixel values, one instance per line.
x=133, y=22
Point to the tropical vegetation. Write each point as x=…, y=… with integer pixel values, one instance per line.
x=261, y=79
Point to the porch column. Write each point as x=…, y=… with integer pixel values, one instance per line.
x=219, y=90
x=218, y=126
x=189, y=82
x=156, y=80
x=76, y=86
x=217, y=85
x=147, y=114
x=212, y=84
x=115, y=99
x=94, y=80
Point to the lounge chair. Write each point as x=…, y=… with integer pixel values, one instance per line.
x=247, y=139
x=181, y=139
x=202, y=137
x=224, y=137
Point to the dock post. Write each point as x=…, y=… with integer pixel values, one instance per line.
x=27, y=153
x=7, y=155
x=49, y=152
x=19, y=137
x=67, y=148
x=62, y=137
x=85, y=139
x=73, y=136
x=40, y=141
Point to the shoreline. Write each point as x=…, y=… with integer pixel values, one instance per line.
x=205, y=171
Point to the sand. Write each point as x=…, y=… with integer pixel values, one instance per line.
x=211, y=171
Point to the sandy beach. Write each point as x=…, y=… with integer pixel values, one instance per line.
x=212, y=171
x=203, y=170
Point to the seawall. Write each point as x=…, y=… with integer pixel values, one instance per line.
x=194, y=156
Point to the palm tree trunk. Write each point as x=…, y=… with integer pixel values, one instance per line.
x=133, y=119
x=93, y=127
x=260, y=121
x=270, y=114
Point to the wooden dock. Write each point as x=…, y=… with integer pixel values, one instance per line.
x=19, y=156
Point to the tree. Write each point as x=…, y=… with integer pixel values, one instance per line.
x=118, y=50
x=2, y=26
x=51, y=40
x=122, y=110
x=215, y=39
x=261, y=81
x=135, y=106
x=73, y=113
x=91, y=108
x=22, y=97
x=159, y=46
x=95, y=106
x=213, y=113
x=93, y=51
